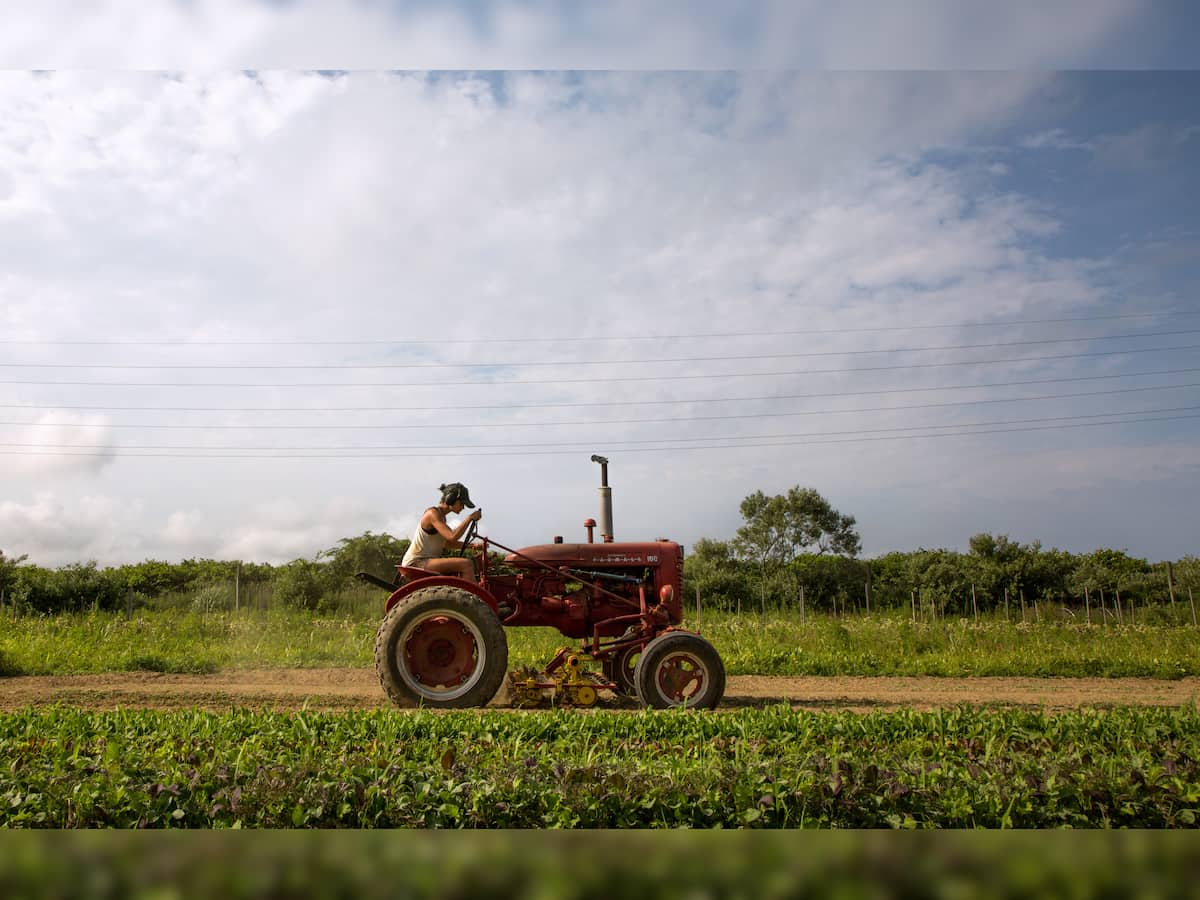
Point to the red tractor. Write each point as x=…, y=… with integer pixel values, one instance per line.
x=442, y=642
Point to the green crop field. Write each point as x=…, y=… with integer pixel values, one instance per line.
x=773, y=767
x=779, y=644
x=768, y=767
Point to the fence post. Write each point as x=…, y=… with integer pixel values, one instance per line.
x=697, y=607
x=1193, y=605
x=1037, y=614
x=913, y=599
x=867, y=594
x=129, y=604
x=974, y=605
x=802, y=613
x=1022, y=606
x=1006, y=616
x=237, y=587
x=1087, y=602
x=1171, y=588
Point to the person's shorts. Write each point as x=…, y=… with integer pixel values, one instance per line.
x=418, y=563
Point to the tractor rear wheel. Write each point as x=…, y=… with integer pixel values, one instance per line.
x=441, y=647
x=680, y=669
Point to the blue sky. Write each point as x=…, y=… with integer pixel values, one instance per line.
x=742, y=278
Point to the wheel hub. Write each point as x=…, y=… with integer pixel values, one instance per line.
x=440, y=651
x=680, y=677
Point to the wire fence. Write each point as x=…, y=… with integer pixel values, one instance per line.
x=1174, y=605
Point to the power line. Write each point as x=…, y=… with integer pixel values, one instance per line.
x=462, y=452
x=588, y=404
x=576, y=423
x=623, y=442
x=182, y=342
x=808, y=354
x=634, y=378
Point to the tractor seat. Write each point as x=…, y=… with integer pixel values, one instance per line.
x=405, y=574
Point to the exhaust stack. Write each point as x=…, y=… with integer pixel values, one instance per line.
x=606, y=526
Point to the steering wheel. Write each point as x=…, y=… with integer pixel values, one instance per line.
x=468, y=536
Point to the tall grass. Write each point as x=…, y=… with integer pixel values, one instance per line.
x=778, y=644
x=889, y=644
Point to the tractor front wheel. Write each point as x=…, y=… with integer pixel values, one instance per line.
x=441, y=647
x=680, y=669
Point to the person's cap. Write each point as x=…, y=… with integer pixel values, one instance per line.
x=458, y=491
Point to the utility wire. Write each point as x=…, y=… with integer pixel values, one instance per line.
x=588, y=404
x=576, y=423
x=808, y=354
x=622, y=442
x=585, y=339
x=632, y=378
x=462, y=452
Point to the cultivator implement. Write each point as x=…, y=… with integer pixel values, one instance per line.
x=564, y=682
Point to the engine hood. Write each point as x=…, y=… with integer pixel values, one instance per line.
x=647, y=553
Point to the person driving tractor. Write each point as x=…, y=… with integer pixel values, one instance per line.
x=432, y=535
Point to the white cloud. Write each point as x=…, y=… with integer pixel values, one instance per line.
x=1055, y=139
x=57, y=442
x=210, y=35
x=60, y=528
x=373, y=206
x=1139, y=148
x=282, y=530
x=185, y=531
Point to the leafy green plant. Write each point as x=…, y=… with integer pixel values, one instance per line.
x=774, y=767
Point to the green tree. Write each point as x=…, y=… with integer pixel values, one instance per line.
x=830, y=581
x=72, y=587
x=779, y=528
x=301, y=583
x=713, y=567
x=997, y=564
x=941, y=580
x=8, y=572
x=1105, y=570
x=1187, y=573
x=378, y=554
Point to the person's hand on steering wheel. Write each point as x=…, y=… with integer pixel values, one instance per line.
x=469, y=534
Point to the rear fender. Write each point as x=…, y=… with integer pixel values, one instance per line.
x=435, y=580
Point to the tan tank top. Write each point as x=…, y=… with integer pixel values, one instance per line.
x=424, y=545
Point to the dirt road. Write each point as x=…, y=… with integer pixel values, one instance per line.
x=346, y=689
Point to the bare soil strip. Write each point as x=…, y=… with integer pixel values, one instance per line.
x=351, y=689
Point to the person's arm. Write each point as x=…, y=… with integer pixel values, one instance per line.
x=452, y=536
x=464, y=525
